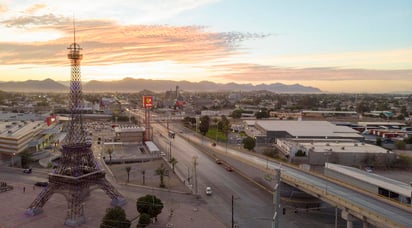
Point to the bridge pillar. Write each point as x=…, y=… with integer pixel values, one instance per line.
x=349, y=218
x=365, y=224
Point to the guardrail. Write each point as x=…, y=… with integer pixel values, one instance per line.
x=356, y=210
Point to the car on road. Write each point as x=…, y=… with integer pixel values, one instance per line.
x=368, y=170
x=27, y=170
x=218, y=161
x=42, y=184
x=228, y=168
x=208, y=191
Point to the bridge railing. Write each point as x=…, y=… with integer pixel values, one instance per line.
x=354, y=209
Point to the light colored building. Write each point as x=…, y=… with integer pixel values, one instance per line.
x=346, y=152
x=267, y=131
x=131, y=134
x=15, y=136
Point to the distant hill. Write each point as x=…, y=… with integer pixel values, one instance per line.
x=136, y=85
x=47, y=85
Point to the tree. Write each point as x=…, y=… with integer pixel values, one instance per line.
x=161, y=171
x=110, y=152
x=263, y=113
x=149, y=204
x=204, y=125
x=173, y=161
x=379, y=141
x=236, y=114
x=26, y=158
x=401, y=145
x=115, y=217
x=144, y=220
x=128, y=168
x=249, y=143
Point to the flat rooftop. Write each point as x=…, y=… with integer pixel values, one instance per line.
x=312, y=129
x=18, y=129
x=129, y=129
x=343, y=147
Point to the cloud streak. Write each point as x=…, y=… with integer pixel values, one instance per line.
x=264, y=73
x=106, y=42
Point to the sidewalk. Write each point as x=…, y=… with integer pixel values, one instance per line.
x=15, y=202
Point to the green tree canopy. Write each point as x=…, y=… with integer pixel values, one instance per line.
x=224, y=124
x=149, y=204
x=204, y=124
x=144, y=220
x=115, y=217
x=236, y=114
x=249, y=143
x=263, y=113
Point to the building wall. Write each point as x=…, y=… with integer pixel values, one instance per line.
x=349, y=158
x=136, y=137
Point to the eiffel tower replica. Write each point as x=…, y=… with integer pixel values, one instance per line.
x=78, y=170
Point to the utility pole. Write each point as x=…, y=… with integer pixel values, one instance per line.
x=233, y=219
x=195, y=172
x=276, y=200
x=170, y=150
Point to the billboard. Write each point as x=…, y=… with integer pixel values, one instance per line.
x=147, y=101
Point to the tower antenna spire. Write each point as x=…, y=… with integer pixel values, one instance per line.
x=74, y=29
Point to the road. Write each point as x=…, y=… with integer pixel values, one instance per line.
x=252, y=205
x=401, y=216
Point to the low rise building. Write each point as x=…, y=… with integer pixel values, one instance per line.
x=345, y=152
x=129, y=134
x=15, y=136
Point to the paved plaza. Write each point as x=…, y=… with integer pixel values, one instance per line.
x=15, y=202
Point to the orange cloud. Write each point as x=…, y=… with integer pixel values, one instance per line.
x=262, y=73
x=34, y=8
x=3, y=8
x=106, y=42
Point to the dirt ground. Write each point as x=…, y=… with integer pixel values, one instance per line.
x=171, y=181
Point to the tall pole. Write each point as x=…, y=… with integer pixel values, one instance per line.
x=195, y=171
x=170, y=150
x=276, y=200
x=233, y=220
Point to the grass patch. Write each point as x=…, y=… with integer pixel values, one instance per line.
x=221, y=137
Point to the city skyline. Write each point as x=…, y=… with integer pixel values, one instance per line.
x=335, y=46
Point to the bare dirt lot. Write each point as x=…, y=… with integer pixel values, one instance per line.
x=150, y=178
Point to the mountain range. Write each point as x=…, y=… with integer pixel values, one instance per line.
x=136, y=85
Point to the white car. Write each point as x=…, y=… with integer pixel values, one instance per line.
x=368, y=170
x=208, y=191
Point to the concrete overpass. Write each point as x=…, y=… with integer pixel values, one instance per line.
x=355, y=203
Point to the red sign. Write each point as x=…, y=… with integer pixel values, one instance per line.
x=147, y=101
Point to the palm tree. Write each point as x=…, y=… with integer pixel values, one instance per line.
x=161, y=171
x=173, y=161
x=110, y=152
x=128, y=168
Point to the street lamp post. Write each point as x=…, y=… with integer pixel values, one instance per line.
x=195, y=172
x=12, y=159
x=233, y=211
x=170, y=150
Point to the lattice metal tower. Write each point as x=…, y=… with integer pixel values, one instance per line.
x=78, y=170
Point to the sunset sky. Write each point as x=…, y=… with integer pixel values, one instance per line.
x=336, y=46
